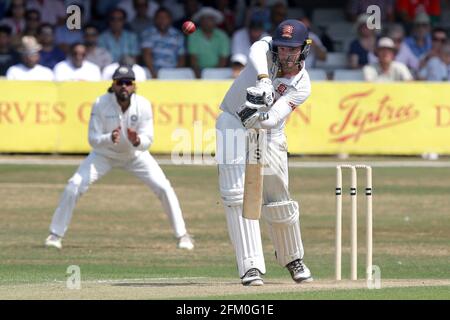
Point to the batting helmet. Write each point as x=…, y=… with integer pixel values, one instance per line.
x=291, y=33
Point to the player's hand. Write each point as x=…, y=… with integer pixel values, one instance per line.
x=265, y=84
x=115, y=135
x=133, y=137
x=249, y=113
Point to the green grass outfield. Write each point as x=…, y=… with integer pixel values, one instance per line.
x=122, y=241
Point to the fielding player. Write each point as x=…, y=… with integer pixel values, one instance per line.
x=282, y=83
x=120, y=133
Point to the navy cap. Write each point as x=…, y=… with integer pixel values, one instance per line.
x=124, y=72
x=290, y=33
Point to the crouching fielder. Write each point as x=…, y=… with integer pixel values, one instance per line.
x=282, y=83
x=120, y=133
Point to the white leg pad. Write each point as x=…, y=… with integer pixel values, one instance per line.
x=245, y=234
x=284, y=228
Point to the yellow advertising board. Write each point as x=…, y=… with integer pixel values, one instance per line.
x=355, y=118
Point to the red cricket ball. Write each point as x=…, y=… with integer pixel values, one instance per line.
x=188, y=27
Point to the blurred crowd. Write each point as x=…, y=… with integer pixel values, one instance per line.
x=36, y=44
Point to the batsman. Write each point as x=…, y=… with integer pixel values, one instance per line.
x=270, y=87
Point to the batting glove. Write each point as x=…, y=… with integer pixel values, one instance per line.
x=249, y=113
x=266, y=85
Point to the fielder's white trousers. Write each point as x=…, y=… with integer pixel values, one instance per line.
x=279, y=211
x=144, y=166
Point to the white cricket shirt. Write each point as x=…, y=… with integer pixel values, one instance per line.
x=107, y=115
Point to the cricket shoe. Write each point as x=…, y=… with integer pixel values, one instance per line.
x=299, y=271
x=252, y=278
x=53, y=241
x=185, y=242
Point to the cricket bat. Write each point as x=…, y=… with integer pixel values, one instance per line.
x=253, y=184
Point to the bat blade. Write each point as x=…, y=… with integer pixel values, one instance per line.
x=253, y=188
x=253, y=184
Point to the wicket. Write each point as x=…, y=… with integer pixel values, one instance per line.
x=354, y=224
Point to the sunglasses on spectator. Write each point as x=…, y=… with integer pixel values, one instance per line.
x=32, y=19
x=122, y=82
x=116, y=19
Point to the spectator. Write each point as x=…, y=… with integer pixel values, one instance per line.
x=438, y=38
x=117, y=40
x=29, y=69
x=50, y=54
x=52, y=11
x=238, y=63
x=229, y=21
x=162, y=45
x=209, y=47
x=259, y=11
x=278, y=13
x=386, y=69
x=437, y=68
x=357, y=7
x=16, y=19
x=243, y=38
x=362, y=49
x=32, y=22
x=142, y=20
x=407, y=10
x=8, y=56
x=95, y=54
x=128, y=61
x=76, y=67
x=317, y=51
x=404, y=54
x=420, y=40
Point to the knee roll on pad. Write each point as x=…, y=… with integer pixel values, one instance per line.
x=233, y=197
x=281, y=213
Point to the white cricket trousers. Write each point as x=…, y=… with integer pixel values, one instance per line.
x=279, y=211
x=144, y=166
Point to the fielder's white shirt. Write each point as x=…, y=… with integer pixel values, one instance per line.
x=37, y=73
x=107, y=115
x=289, y=92
x=66, y=71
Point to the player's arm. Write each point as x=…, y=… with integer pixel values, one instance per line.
x=258, y=58
x=283, y=107
x=96, y=137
